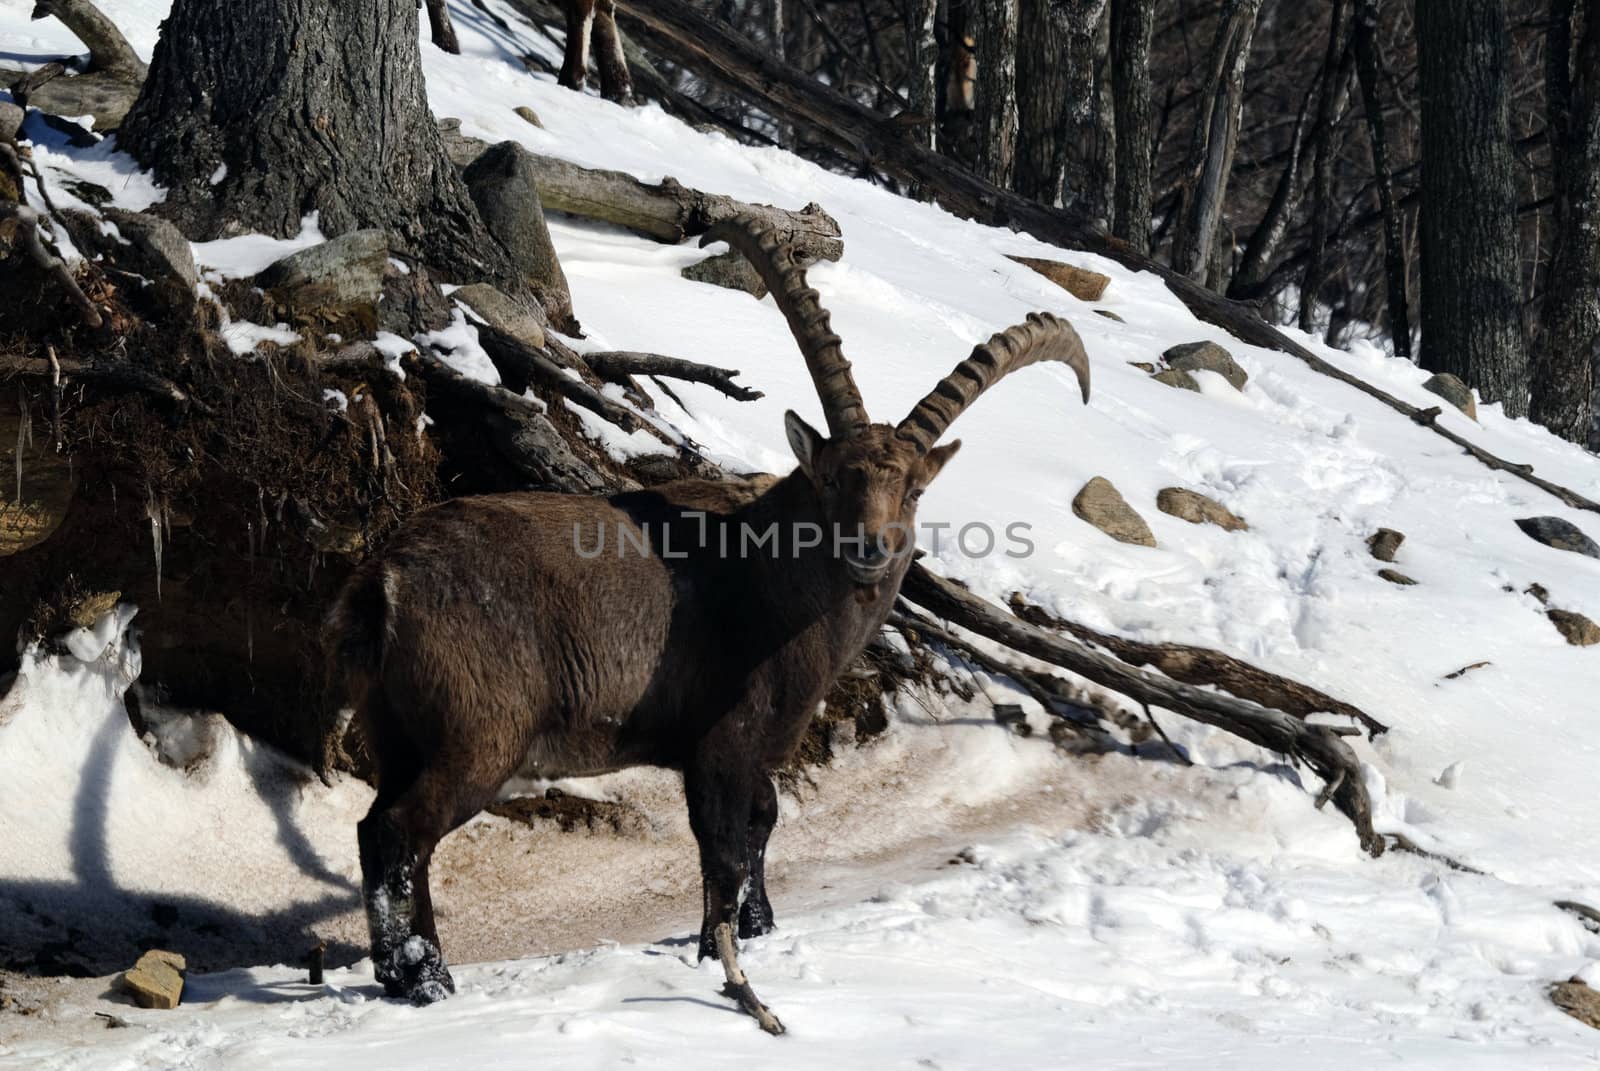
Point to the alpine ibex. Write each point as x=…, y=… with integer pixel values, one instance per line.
x=548, y=635
x=596, y=19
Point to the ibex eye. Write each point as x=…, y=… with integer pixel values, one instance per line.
x=914, y=494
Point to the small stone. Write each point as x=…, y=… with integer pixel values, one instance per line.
x=1538, y=591
x=1196, y=508
x=503, y=314
x=11, y=118
x=1578, y=1000
x=1108, y=314
x=1102, y=505
x=159, y=249
x=1385, y=543
x=1577, y=629
x=1081, y=283
x=529, y=115
x=1144, y=366
x=1394, y=576
x=504, y=187
x=1174, y=377
x=731, y=270
x=1453, y=391
x=335, y=285
x=1207, y=357
x=1560, y=534
x=156, y=981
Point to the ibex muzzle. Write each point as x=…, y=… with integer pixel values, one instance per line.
x=487, y=640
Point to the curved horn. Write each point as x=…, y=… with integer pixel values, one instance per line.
x=774, y=261
x=1042, y=338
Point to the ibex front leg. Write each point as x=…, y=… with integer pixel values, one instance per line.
x=718, y=785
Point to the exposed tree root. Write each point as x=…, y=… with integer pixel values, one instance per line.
x=617, y=364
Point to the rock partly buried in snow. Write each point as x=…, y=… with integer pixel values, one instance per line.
x=335, y=285
x=1196, y=508
x=1394, y=576
x=1385, y=543
x=730, y=270
x=1578, y=1000
x=1575, y=628
x=1081, y=283
x=1103, y=506
x=503, y=185
x=529, y=115
x=11, y=118
x=1560, y=534
x=156, y=981
x=159, y=250
x=503, y=314
x=1174, y=377
x=1453, y=391
x=1207, y=357
x=105, y=96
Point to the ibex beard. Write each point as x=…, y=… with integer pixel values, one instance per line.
x=480, y=645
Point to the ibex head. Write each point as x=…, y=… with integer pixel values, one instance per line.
x=868, y=477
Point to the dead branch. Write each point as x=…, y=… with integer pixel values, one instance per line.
x=1319, y=747
x=618, y=364
x=112, y=374
x=1204, y=666
x=109, y=51
x=25, y=86
x=521, y=365
x=28, y=231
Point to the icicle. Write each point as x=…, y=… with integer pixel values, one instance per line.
x=157, y=514
x=22, y=440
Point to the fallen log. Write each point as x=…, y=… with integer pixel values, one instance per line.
x=619, y=364
x=674, y=28
x=109, y=51
x=1321, y=748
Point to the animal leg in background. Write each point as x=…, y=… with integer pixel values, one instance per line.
x=575, y=63
x=755, y=914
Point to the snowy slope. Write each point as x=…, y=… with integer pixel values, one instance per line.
x=1181, y=916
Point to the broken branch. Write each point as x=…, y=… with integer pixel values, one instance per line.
x=618, y=364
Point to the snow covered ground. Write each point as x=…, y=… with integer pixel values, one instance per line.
x=1133, y=915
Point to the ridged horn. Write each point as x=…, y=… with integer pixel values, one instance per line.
x=808, y=321
x=1042, y=338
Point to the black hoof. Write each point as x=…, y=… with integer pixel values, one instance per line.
x=416, y=972
x=755, y=920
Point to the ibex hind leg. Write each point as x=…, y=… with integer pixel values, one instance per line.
x=755, y=913
x=575, y=60
x=615, y=82
x=719, y=790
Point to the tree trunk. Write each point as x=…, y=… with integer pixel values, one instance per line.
x=1269, y=232
x=1330, y=112
x=1369, y=67
x=440, y=29
x=1055, y=91
x=923, y=52
x=1564, y=365
x=996, y=118
x=259, y=112
x=1471, y=294
x=1216, y=135
x=1132, y=22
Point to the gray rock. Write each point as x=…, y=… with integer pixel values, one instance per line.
x=105, y=96
x=1207, y=357
x=335, y=285
x=1560, y=534
x=1394, y=576
x=461, y=149
x=11, y=118
x=731, y=270
x=1174, y=377
x=158, y=249
x=1577, y=629
x=1385, y=543
x=503, y=314
x=1196, y=508
x=1579, y=1001
x=412, y=302
x=1453, y=391
x=1103, y=506
x=156, y=981
x=502, y=184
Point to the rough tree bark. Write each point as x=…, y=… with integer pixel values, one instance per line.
x=1132, y=23
x=1369, y=67
x=1332, y=98
x=259, y=112
x=922, y=48
x=1564, y=364
x=996, y=111
x=1216, y=135
x=1055, y=91
x=440, y=29
x=1471, y=272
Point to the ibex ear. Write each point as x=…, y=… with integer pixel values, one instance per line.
x=804, y=440
x=936, y=459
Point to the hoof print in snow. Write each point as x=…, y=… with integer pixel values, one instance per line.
x=529, y=115
x=1103, y=506
x=1577, y=629
x=1579, y=1001
x=1173, y=377
x=156, y=981
x=1081, y=283
x=504, y=315
x=1207, y=357
x=334, y=286
x=1108, y=314
x=1196, y=508
x=1394, y=576
x=729, y=270
x=1385, y=543
x=1453, y=391
x=1011, y=716
x=1560, y=534
x=504, y=187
